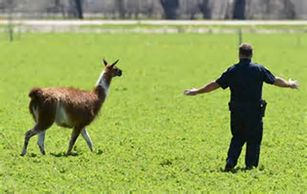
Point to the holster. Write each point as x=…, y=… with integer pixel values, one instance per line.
x=263, y=104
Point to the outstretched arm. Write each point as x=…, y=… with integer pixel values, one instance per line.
x=205, y=89
x=280, y=82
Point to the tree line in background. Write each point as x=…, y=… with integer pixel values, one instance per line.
x=166, y=9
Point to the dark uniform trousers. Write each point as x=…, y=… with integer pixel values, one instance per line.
x=246, y=127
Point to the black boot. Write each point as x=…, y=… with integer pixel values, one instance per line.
x=251, y=167
x=229, y=167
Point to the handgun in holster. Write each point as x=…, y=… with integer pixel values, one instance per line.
x=263, y=104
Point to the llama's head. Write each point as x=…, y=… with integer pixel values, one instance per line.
x=111, y=69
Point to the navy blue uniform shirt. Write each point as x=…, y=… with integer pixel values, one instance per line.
x=245, y=81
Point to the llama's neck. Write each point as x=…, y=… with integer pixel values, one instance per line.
x=104, y=82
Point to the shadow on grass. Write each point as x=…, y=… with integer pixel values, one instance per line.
x=99, y=152
x=236, y=170
x=32, y=155
x=74, y=154
x=62, y=154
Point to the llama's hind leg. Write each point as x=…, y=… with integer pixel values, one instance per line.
x=44, y=117
x=41, y=142
x=74, y=135
x=28, y=135
x=87, y=138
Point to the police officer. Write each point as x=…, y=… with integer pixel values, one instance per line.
x=245, y=81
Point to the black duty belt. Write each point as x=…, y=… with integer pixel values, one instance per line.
x=233, y=106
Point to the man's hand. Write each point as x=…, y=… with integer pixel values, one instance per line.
x=280, y=82
x=205, y=89
x=190, y=92
x=293, y=84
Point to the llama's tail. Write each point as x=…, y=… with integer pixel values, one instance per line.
x=36, y=95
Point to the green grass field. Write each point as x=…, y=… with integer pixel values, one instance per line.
x=149, y=137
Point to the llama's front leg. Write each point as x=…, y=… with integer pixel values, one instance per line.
x=40, y=142
x=74, y=135
x=28, y=135
x=87, y=138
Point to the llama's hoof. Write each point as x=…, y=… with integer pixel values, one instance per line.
x=42, y=150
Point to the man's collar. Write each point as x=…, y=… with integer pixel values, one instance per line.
x=245, y=60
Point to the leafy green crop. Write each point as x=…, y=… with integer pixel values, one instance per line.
x=149, y=137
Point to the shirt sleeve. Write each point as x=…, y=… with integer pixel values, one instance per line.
x=223, y=80
x=268, y=77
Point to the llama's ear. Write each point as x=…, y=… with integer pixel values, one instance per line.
x=105, y=62
x=115, y=63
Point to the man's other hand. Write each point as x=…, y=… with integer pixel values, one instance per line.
x=190, y=92
x=293, y=84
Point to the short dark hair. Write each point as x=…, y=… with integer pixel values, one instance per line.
x=246, y=50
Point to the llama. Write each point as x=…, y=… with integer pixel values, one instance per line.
x=68, y=107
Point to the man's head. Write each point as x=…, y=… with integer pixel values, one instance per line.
x=245, y=51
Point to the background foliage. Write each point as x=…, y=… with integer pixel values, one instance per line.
x=156, y=9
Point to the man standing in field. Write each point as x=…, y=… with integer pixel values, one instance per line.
x=245, y=81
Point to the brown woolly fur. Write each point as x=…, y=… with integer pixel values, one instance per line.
x=81, y=106
x=68, y=107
